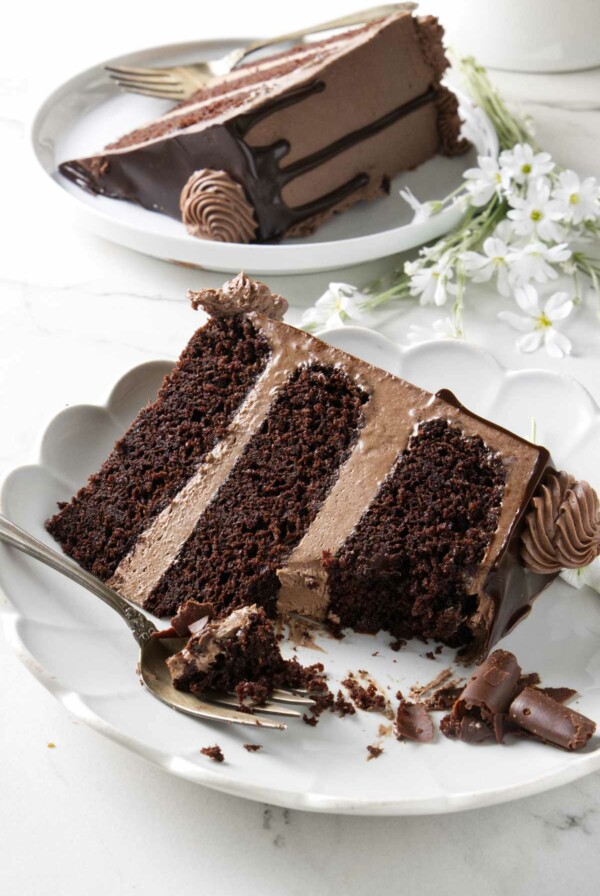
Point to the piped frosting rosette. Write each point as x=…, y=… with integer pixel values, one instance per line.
x=215, y=207
x=562, y=529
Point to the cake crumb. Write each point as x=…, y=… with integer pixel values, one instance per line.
x=369, y=698
x=215, y=753
x=342, y=706
x=51, y=746
x=252, y=748
x=310, y=720
x=374, y=751
x=385, y=730
x=398, y=644
x=430, y=655
x=445, y=696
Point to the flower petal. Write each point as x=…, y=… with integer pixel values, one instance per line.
x=530, y=342
x=527, y=299
x=558, y=306
x=557, y=344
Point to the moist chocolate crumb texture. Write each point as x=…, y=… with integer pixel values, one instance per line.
x=277, y=146
x=276, y=470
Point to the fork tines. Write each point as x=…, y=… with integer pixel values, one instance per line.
x=147, y=81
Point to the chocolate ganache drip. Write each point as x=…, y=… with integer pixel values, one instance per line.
x=562, y=529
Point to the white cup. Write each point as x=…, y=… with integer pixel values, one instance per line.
x=522, y=35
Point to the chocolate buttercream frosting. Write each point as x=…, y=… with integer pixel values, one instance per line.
x=214, y=207
x=562, y=529
x=240, y=296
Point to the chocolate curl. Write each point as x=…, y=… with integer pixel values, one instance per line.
x=189, y=612
x=491, y=689
x=550, y=721
x=413, y=722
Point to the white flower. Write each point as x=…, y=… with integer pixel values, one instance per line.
x=536, y=213
x=431, y=282
x=579, y=200
x=422, y=210
x=481, y=268
x=533, y=262
x=486, y=180
x=522, y=164
x=440, y=329
x=538, y=324
x=341, y=302
x=587, y=575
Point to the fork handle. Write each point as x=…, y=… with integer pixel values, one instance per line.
x=356, y=18
x=18, y=538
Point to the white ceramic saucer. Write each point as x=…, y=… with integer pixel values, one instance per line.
x=88, y=111
x=84, y=655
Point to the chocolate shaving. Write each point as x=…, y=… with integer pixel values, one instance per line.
x=528, y=680
x=550, y=721
x=189, y=612
x=418, y=690
x=561, y=695
x=413, y=722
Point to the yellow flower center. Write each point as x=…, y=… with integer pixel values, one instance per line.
x=526, y=169
x=543, y=322
x=536, y=215
x=574, y=198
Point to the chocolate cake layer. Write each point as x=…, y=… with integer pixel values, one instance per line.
x=163, y=446
x=408, y=565
x=272, y=494
x=305, y=133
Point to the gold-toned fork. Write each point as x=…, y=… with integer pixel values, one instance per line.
x=180, y=81
x=154, y=651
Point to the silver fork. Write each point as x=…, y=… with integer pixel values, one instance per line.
x=180, y=81
x=154, y=651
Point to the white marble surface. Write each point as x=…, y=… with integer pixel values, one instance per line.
x=75, y=313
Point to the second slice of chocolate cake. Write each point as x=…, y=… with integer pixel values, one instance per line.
x=276, y=470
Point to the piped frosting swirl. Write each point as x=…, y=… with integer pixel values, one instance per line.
x=562, y=529
x=215, y=207
x=238, y=296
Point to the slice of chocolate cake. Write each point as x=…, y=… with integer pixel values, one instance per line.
x=276, y=470
x=277, y=146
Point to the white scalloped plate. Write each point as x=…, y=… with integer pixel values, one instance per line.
x=84, y=655
x=88, y=111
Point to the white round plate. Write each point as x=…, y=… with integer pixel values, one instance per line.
x=84, y=655
x=89, y=111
